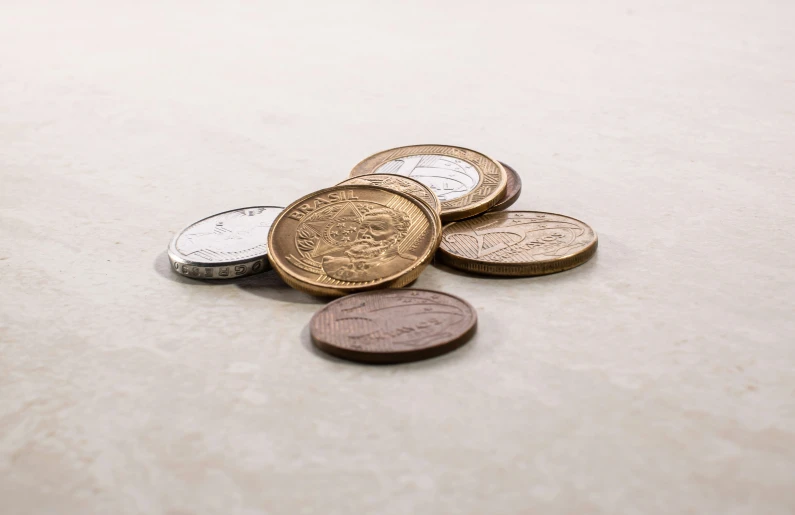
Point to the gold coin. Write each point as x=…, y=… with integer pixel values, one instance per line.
x=400, y=183
x=517, y=243
x=466, y=182
x=348, y=239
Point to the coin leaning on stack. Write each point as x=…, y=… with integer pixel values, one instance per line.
x=377, y=231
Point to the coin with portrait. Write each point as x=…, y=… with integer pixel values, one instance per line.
x=466, y=182
x=517, y=243
x=353, y=238
x=400, y=183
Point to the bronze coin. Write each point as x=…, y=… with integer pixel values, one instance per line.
x=348, y=239
x=466, y=182
x=517, y=243
x=512, y=189
x=393, y=326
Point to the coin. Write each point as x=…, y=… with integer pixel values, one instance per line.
x=230, y=244
x=393, y=326
x=517, y=243
x=466, y=182
x=512, y=189
x=346, y=239
x=400, y=183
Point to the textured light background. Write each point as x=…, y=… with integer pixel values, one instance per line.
x=657, y=378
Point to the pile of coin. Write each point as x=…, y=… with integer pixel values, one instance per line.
x=378, y=230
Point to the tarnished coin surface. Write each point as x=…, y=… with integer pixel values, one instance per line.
x=400, y=183
x=393, y=326
x=223, y=246
x=465, y=181
x=346, y=239
x=512, y=189
x=517, y=243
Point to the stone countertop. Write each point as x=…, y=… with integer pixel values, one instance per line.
x=656, y=378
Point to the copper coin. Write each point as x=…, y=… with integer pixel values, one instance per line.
x=512, y=189
x=517, y=243
x=393, y=326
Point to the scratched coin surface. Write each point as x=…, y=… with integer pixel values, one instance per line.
x=512, y=189
x=400, y=183
x=465, y=181
x=517, y=243
x=223, y=246
x=393, y=326
x=352, y=238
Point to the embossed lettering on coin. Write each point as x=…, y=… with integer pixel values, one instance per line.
x=465, y=181
x=349, y=238
x=399, y=183
x=447, y=176
x=237, y=238
x=517, y=243
x=393, y=326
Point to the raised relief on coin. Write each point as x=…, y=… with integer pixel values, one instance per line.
x=348, y=238
x=465, y=181
x=448, y=177
x=405, y=185
x=236, y=238
x=393, y=326
x=517, y=243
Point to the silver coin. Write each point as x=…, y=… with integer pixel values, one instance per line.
x=446, y=176
x=223, y=246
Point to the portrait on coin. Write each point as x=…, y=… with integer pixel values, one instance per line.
x=374, y=252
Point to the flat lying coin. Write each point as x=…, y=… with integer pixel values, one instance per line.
x=517, y=243
x=346, y=239
x=466, y=182
x=393, y=326
x=229, y=244
x=400, y=183
x=512, y=190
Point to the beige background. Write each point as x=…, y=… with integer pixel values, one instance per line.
x=658, y=378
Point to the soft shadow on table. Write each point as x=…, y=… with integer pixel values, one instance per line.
x=569, y=274
x=266, y=284
x=270, y=286
x=445, y=359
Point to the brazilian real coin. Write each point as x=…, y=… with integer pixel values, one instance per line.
x=393, y=326
x=400, y=183
x=223, y=246
x=517, y=243
x=466, y=182
x=347, y=239
x=512, y=190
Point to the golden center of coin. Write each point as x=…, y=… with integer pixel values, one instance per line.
x=400, y=183
x=517, y=243
x=353, y=238
x=466, y=182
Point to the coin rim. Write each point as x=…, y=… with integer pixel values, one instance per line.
x=394, y=357
x=526, y=269
x=437, y=207
x=394, y=281
x=175, y=256
x=508, y=201
x=460, y=213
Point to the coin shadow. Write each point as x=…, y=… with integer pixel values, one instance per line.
x=266, y=284
x=270, y=286
x=571, y=272
x=454, y=355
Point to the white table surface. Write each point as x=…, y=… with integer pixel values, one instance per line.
x=657, y=378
